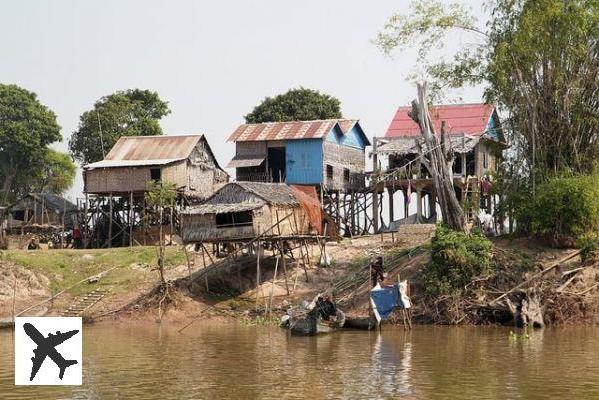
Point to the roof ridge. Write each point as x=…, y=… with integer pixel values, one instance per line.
x=455, y=105
x=302, y=121
x=159, y=136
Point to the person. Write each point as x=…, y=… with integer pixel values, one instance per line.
x=377, y=271
x=77, y=239
x=326, y=308
x=33, y=245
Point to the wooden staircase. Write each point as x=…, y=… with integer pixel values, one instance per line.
x=83, y=303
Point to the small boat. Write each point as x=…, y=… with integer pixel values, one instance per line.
x=364, y=323
x=320, y=316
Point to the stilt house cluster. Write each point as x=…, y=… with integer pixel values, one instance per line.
x=292, y=178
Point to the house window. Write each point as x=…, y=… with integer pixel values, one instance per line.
x=329, y=172
x=485, y=160
x=234, y=219
x=155, y=174
x=18, y=215
x=345, y=175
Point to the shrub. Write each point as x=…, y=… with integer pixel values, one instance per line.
x=589, y=247
x=563, y=209
x=456, y=258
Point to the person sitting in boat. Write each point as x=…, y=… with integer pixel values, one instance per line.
x=377, y=271
x=326, y=308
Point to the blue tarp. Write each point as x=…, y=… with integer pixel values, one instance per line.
x=385, y=299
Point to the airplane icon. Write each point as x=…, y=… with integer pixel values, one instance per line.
x=46, y=347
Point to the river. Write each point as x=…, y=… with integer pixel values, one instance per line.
x=147, y=361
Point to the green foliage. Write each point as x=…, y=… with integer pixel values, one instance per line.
x=456, y=258
x=540, y=62
x=27, y=127
x=160, y=194
x=132, y=112
x=589, y=247
x=296, y=105
x=563, y=209
x=56, y=173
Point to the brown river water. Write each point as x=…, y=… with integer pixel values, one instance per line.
x=146, y=361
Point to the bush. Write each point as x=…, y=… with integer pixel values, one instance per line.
x=589, y=247
x=563, y=210
x=456, y=258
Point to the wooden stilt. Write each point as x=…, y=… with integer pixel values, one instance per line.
x=282, y=252
x=131, y=219
x=110, y=222
x=257, y=272
x=272, y=286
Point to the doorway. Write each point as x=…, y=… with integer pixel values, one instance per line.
x=276, y=163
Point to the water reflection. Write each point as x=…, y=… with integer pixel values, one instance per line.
x=151, y=362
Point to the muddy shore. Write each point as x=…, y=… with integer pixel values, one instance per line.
x=30, y=278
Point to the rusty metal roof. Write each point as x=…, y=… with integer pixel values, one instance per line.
x=131, y=151
x=289, y=130
x=153, y=147
x=243, y=161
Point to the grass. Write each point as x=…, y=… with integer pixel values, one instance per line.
x=64, y=268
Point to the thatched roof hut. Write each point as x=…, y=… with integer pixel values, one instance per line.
x=240, y=211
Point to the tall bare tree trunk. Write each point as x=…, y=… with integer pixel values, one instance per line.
x=438, y=161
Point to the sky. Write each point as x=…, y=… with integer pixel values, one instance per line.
x=213, y=61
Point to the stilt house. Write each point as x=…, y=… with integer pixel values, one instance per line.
x=240, y=211
x=477, y=141
x=42, y=209
x=186, y=161
x=327, y=153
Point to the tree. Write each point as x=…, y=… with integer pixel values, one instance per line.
x=132, y=112
x=296, y=105
x=56, y=173
x=158, y=196
x=437, y=158
x=27, y=127
x=539, y=61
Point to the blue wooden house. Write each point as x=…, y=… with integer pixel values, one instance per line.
x=328, y=153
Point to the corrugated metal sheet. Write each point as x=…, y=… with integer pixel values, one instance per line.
x=153, y=147
x=304, y=162
x=130, y=163
x=289, y=130
x=469, y=119
x=242, y=161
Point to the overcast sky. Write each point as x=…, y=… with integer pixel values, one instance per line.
x=213, y=61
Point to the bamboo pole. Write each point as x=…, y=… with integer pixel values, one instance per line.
x=110, y=222
x=257, y=273
x=64, y=211
x=282, y=252
x=272, y=286
x=131, y=217
x=14, y=292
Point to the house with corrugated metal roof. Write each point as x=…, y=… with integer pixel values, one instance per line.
x=473, y=133
x=326, y=153
x=185, y=160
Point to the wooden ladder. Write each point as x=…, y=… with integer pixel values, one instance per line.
x=81, y=304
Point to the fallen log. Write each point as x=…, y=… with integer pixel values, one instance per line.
x=537, y=275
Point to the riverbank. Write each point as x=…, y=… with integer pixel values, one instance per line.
x=128, y=283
